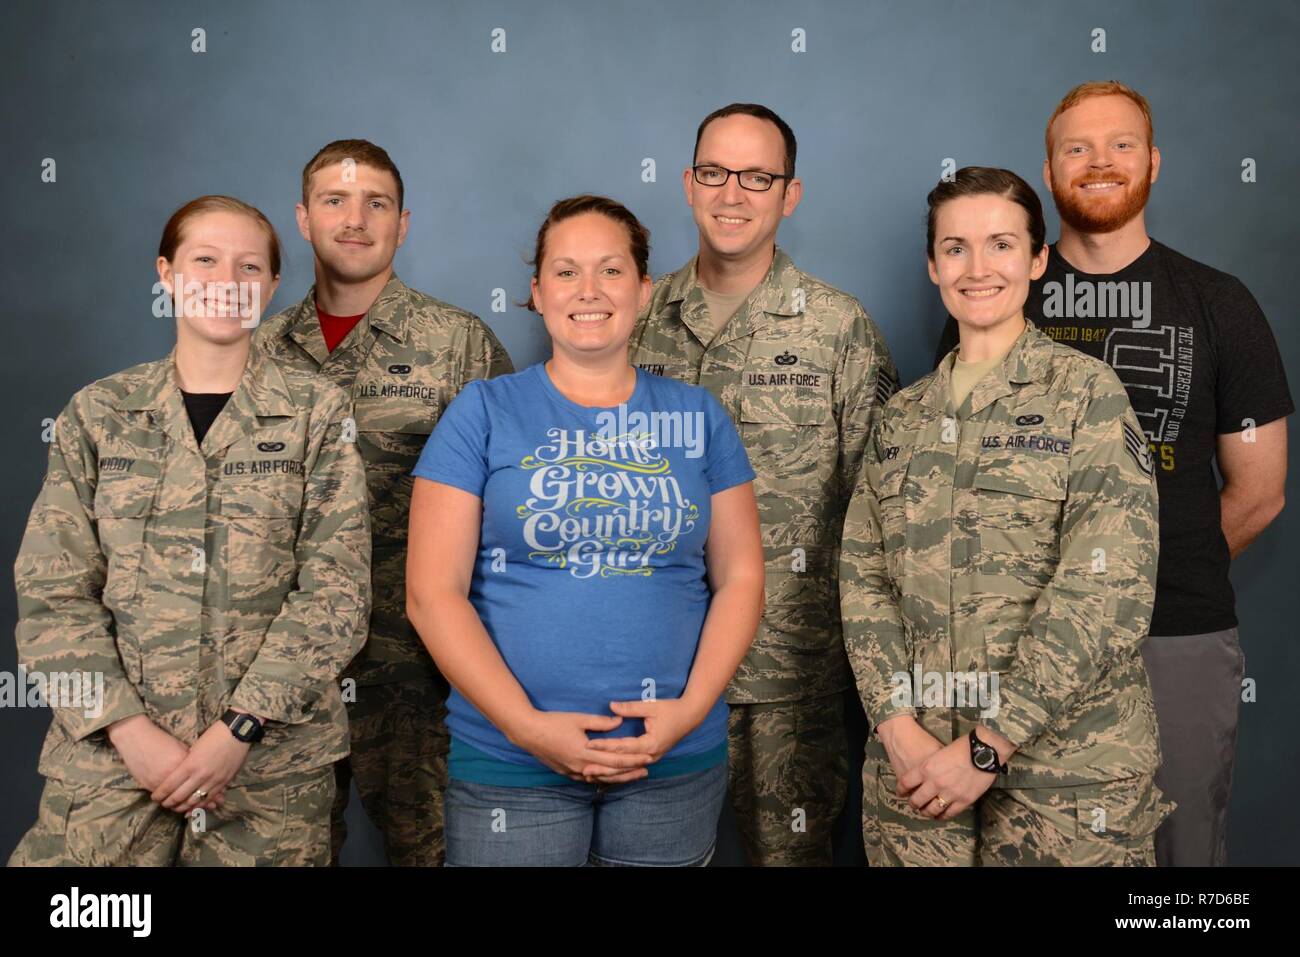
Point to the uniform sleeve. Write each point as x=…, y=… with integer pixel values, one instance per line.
x=456, y=453
x=63, y=626
x=872, y=622
x=1096, y=610
x=1251, y=384
x=322, y=623
x=484, y=357
x=727, y=463
x=865, y=379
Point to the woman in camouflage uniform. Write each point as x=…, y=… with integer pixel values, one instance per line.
x=203, y=587
x=997, y=577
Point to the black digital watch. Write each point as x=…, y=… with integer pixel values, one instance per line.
x=243, y=726
x=984, y=757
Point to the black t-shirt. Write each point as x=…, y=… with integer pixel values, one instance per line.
x=1198, y=360
x=203, y=409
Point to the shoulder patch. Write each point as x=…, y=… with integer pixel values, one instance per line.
x=1137, y=447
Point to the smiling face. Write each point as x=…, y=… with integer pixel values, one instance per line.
x=587, y=288
x=1102, y=164
x=223, y=260
x=983, y=260
x=737, y=223
x=352, y=221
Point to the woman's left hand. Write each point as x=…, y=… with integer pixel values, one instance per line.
x=947, y=774
x=667, y=721
x=213, y=760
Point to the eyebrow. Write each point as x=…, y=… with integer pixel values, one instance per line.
x=239, y=255
x=368, y=193
x=1110, y=136
x=747, y=169
x=566, y=259
x=962, y=239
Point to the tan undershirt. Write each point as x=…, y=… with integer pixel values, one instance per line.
x=722, y=306
x=966, y=375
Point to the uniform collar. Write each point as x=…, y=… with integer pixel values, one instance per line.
x=261, y=392
x=387, y=314
x=774, y=297
x=1027, y=361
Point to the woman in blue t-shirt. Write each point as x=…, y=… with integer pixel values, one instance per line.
x=585, y=567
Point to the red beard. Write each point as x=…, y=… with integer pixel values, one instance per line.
x=1091, y=216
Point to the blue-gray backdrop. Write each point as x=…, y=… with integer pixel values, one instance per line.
x=137, y=122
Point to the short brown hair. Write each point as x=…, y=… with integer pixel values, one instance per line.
x=761, y=112
x=363, y=152
x=172, y=235
x=638, y=235
x=1100, y=88
x=983, y=181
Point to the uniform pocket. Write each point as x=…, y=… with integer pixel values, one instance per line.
x=1020, y=500
x=261, y=531
x=123, y=503
x=799, y=587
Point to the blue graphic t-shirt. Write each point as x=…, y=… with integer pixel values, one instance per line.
x=590, y=576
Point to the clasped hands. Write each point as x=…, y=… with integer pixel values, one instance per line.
x=173, y=773
x=559, y=739
x=939, y=781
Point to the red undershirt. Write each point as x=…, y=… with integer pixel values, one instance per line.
x=335, y=328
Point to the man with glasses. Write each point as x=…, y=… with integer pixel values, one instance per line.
x=802, y=369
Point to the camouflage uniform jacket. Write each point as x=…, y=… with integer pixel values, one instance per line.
x=402, y=365
x=802, y=370
x=1019, y=544
x=198, y=578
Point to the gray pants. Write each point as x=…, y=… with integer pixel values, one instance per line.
x=1196, y=682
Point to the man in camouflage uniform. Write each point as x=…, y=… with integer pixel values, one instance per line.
x=195, y=580
x=402, y=363
x=801, y=368
x=1019, y=546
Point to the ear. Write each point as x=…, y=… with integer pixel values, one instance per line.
x=1155, y=164
x=165, y=275
x=933, y=270
x=793, y=193
x=647, y=287
x=403, y=224
x=300, y=214
x=1039, y=263
x=536, y=292
x=1047, y=174
x=688, y=178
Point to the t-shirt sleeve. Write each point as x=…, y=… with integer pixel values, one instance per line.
x=727, y=464
x=1251, y=379
x=456, y=453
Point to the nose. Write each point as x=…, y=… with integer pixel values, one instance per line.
x=587, y=286
x=977, y=267
x=732, y=192
x=356, y=215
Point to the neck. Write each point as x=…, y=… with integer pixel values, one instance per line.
x=993, y=342
x=727, y=275
x=605, y=381
x=339, y=298
x=1102, y=253
x=203, y=366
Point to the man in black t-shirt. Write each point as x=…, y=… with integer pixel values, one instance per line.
x=1203, y=373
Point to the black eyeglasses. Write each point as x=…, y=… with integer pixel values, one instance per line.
x=755, y=180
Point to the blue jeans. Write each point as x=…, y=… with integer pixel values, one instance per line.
x=653, y=822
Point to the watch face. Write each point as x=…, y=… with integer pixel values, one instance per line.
x=246, y=726
x=985, y=757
